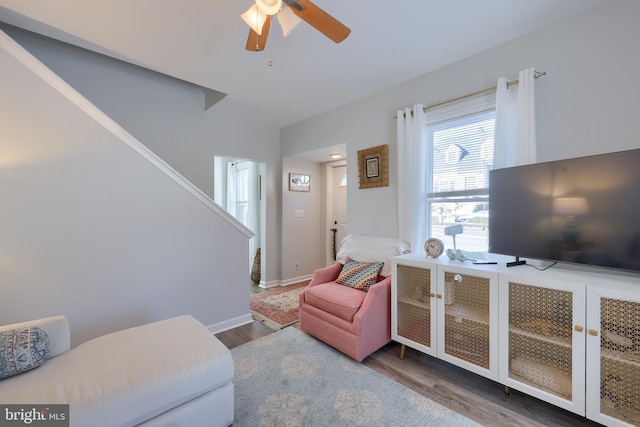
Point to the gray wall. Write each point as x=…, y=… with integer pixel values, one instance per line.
x=304, y=236
x=587, y=104
x=91, y=229
x=168, y=116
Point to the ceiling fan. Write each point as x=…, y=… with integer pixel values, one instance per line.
x=289, y=14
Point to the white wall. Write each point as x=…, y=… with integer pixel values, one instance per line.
x=168, y=116
x=303, y=237
x=92, y=230
x=587, y=104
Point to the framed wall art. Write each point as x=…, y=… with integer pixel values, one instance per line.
x=373, y=167
x=299, y=182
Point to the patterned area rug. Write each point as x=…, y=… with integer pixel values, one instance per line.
x=289, y=378
x=278, y=307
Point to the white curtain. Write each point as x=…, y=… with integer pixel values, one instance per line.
x=412, y=173
x=231, y=187
x=515, y=129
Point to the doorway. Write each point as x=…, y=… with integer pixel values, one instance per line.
x=237, y=189
x=336, y=215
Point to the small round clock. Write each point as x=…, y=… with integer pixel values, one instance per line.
x=433, y=247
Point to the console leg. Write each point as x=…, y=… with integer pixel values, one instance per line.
x=506, y=389
x=402, y=349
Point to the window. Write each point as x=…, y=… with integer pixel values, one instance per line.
x=460, y=142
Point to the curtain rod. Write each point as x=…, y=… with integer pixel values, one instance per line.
x=536, y=75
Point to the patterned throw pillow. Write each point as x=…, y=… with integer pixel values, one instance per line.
x=359, y=275
x=22, y=350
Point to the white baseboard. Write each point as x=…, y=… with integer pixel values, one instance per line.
x=286, y=282
x=271, y=284
x=295, y=280
x=230, y=324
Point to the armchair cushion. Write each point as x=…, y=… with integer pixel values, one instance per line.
x=340, y=301
x=359, y=275
x=22, y=350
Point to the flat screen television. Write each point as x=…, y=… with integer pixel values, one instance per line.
x=584, y=211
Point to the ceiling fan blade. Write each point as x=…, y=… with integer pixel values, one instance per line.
x=255, y=42
x=319, y=19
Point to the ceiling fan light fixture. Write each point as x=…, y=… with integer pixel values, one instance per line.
x=269, y=7
x=304, y=9
x=254, y=18
x=288, y=20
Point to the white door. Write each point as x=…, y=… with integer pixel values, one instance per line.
x=336, y=207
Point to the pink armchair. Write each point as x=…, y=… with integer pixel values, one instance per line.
x=352, y=321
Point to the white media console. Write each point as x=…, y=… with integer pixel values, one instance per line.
x=571, y=338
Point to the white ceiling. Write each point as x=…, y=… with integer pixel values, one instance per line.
x=203, y=42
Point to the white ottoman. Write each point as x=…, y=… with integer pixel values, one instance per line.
x=173, y=372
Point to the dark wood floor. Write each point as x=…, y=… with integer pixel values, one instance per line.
x=474, y=396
